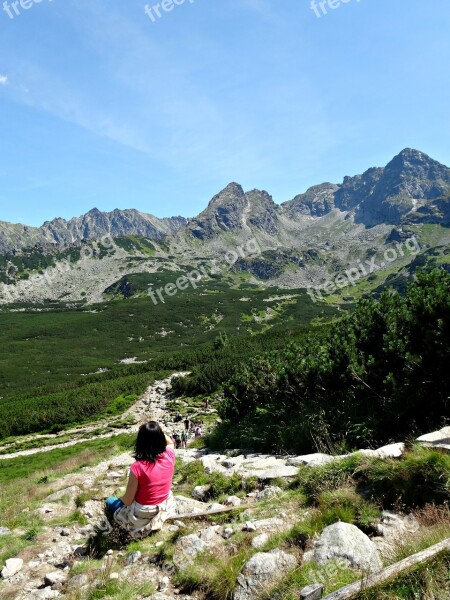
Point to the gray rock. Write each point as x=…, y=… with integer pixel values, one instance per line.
x=271, y=524
x=260, y=541
x=268, y=492
x=186, y=549
x=346, y=542
x=262, y=571
x=163, y=584
x=390, y=451
x=4, y=531
x=34, y=564
x=310, y=460
x=12, y=567
x=312, y=592
x=211, y=534
x=437, y=439
x=78, y=581
x=200, y=492
x=45, y=594
x=55, y=578
x=227, y=533
x=232, y=501
x=71, y=491
x=249, y=526
x=133, y=558
x=277, y=472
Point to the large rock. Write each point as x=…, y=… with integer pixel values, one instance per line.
x=55, y=578
x=12, y=567
x=200, y=492
x=346, y=542
x=268, y=492
x=261, y=572
x=390, y=451
x=186, y=550
x=70, y=492
x=437, y=439
x=310, y=460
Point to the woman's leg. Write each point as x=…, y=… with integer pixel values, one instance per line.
x=112, y=504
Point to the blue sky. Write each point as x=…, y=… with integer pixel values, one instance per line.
x=100, y=106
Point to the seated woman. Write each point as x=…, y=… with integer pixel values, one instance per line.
x=148, y=498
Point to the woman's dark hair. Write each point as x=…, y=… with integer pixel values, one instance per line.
x=150, y=442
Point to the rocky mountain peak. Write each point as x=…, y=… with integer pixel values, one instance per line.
x=317, y=201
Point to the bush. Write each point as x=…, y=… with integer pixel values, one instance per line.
x=377, y=375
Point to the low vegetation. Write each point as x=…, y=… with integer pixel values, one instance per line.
x=378, y=374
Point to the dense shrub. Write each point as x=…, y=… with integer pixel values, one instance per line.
x=378, y=374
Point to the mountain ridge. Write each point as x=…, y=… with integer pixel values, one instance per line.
x=412, y=183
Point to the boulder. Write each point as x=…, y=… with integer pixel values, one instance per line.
x=437, y=439
x=347, y=543
x=390, y=451
x=261, y=572
x=71, y=492
x=186, y=550
x=268, y=492
x=211, y=535
x=12, y=567
x=4, y=531
x=55, y=578
x=227, y=533
x=260, y=541
x=232, y=501
x=78, y=582
x=200, y=492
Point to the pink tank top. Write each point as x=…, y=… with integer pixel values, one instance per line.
x=154, y=479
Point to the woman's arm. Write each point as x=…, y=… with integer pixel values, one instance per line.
x=169, y=441
x=132, y=487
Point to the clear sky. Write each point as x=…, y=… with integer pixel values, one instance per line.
x=103, y=105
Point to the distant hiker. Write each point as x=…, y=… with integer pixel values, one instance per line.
x=198, y=431
x=177, y=440
x=184, y=439
x=148, y=498
x=206, y=403
x=187, y=424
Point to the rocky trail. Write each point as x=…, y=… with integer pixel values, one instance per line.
x=56, y=564
x=152, y=404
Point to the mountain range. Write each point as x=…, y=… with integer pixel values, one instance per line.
x=411, y=188
x=301, y=240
